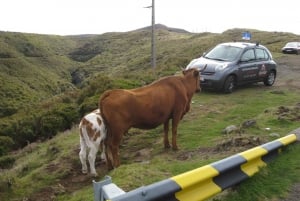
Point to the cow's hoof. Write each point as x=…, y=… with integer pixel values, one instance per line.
x=175, y=148
x=167, y=146
x=94, y=174
x=84, y=171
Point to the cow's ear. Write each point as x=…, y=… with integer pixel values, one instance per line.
x=183, y=71
x=196, y=73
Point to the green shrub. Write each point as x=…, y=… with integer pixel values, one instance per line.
x=59, y=119
x=95, y=86
x=29, y=127
x=6, y=162
x=89, y=104
x=6, y=144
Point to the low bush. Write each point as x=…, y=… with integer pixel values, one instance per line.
x=6, y=144
x=6, y=162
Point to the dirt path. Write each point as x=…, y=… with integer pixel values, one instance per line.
x=289, y=75
x=288, y=72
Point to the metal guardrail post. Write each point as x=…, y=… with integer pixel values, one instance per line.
x=98, y=187
x=105, y=190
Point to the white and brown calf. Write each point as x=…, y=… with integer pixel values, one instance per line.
x=92, y=134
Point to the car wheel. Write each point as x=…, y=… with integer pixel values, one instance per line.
x=270, y=79
x=229, y=84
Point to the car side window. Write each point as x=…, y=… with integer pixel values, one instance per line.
x=248, y=55
x=261, y=54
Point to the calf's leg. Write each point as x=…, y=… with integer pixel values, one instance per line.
x=92, y=158
x=103, y=154
x=82, y=155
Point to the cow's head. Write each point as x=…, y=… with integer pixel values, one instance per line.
x=194, y=76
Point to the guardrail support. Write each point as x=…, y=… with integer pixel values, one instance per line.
x=105, y=190
x=297, y=133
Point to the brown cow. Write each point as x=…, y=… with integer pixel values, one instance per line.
x=147, y=107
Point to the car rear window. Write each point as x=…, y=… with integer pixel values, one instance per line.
x=292, y=44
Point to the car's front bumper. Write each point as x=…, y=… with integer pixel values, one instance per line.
x=211, y=82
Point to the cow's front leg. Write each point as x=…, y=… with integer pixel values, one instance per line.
x=166, y=131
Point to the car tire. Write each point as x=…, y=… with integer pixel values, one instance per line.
x=270, y=79
x=230, y=84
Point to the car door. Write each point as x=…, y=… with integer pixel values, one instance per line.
x=262, y=58
x=248, y=66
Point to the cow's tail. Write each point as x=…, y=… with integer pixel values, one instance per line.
x=103, y=112
x=102, y=109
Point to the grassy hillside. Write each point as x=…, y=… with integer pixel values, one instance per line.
x=32, y=69
x=48, y=82
x=35, y=67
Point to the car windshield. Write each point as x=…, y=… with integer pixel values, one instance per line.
x=224, y=53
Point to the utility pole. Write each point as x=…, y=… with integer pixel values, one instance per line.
x=153, y=48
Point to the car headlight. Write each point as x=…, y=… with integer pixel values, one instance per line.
x=220, y=67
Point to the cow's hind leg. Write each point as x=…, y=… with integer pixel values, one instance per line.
x=166, y=137
x=82, y=155
x=112, y=156
x=175, y=123
x=115, y=143
x=108, y=152
x=112, y=153
x=116, y=157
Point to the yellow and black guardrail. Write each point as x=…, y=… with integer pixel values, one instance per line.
x=201, y=183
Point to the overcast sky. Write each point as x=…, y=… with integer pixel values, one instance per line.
x=72, y=17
